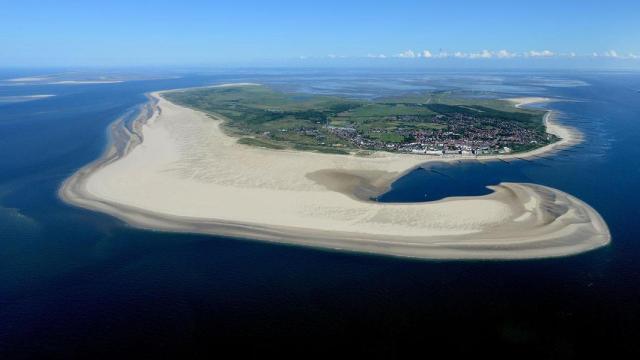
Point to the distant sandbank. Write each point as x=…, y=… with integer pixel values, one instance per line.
x=176, y=170
x=23, y=98
x=84, y=82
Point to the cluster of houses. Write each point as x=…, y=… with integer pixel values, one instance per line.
x=455, y=134
x=464, y=151
x=435, y=142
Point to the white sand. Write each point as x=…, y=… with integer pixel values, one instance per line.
x=82, y=82
x=568, y=136
x=187, y=175
x=23, y=98
x=27, y=79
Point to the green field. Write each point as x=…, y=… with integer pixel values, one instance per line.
x=277, y=120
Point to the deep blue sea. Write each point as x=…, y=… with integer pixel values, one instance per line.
x=75, y=283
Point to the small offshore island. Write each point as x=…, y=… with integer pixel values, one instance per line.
x=226, y=160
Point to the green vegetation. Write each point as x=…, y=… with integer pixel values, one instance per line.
x=260, y=143
x=277, y=120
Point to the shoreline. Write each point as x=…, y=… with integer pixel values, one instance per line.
x=521, y=220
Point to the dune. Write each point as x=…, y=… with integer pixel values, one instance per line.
x=178, y=171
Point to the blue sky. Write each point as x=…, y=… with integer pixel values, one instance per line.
x=114, y=33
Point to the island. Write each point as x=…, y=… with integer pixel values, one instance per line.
x=434, y=123
x=217, y=161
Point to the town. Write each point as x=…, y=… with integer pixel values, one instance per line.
x=460, y=134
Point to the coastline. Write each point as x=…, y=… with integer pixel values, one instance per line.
x=295, y=203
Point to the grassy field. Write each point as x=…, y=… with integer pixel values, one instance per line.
x=267, y=118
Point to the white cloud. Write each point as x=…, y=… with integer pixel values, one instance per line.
x=615, y=55
x=504, y=54
x=406, y=54
x=497, y=54
x=484, y=54
x=611, y=54
x=543, y=53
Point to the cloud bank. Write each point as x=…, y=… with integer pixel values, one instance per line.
x=493, y=54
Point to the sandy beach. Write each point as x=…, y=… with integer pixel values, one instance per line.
x=178, y=171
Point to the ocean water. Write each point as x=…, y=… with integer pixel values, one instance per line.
x=74, y=283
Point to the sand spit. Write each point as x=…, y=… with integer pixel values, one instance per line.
x=23, y=98
x=187, y=175
x=83, y=82
x=27, y=79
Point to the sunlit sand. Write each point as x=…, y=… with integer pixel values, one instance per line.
x=185, y=174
